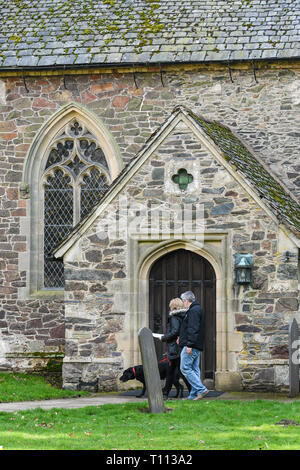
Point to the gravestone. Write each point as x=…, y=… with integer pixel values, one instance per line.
x=294, y=358
x=151, y=373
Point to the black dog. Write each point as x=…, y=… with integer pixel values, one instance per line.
x=137, y=373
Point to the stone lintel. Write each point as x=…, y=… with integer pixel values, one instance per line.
x=267, y=362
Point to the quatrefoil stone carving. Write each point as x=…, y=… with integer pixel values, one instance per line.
x=182, y=178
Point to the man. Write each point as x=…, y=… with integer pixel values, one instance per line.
x=191, y=339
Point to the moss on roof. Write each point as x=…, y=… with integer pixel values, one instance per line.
x=237, y=154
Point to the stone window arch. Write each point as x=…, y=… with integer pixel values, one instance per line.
x=75, y=177
x=70, y=165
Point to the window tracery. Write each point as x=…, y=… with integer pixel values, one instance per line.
x=76, y=176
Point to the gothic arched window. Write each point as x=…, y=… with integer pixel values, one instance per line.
x=75, y=177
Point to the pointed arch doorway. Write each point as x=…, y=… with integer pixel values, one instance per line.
x=170, y=276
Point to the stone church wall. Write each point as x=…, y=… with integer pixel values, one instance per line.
x=264, y=114
x=100, y=324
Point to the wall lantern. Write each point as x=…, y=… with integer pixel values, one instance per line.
x=243, y=266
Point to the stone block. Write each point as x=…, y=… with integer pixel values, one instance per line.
x=222, y=209
x=134, y=104
x=94, y=256
x=72, y=373
x=281, y=374
x=280, y=351
x=158, y=174
x=248, y=328
x=228, y=381
x=286, y=304
x=287, y=271
x=88, y=275
x=58, y=332
x=265, y=376
x=258, y=236
x=120, y=101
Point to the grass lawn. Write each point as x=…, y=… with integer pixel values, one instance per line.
x=25, y=387
x=208, y=424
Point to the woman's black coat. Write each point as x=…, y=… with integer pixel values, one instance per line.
x=173, y=329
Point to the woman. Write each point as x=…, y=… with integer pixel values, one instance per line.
x=176, y=315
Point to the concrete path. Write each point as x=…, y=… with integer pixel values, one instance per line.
x=68, y=403
x=117, y=398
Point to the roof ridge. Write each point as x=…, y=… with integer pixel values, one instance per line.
x=249, y=149
x=277, y=195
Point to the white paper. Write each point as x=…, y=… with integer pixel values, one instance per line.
x=156, y=335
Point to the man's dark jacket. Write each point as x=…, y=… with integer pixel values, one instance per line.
x=193, y=327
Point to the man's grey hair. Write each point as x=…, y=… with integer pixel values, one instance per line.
x=189, y=295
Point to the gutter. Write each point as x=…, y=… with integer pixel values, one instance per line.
x=131, y=67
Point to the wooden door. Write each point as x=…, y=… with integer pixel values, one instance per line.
x=170, y=276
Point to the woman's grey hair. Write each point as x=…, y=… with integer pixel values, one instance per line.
x=189, y=295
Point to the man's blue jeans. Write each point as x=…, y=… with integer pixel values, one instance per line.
x=189, y=366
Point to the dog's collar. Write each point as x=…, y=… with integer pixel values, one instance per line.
x=164, y=360
x=134, y=371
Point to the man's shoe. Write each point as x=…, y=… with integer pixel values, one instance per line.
x=202, y=395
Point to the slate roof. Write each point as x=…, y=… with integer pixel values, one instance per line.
x=41, y=33
x=236, y=153
x=270, y=190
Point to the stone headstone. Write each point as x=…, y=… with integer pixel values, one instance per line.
x=294, y=358
x=151, y=372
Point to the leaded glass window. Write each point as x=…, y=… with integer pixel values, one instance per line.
x=58, y=222
x=76, y=176
x=92, y=187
